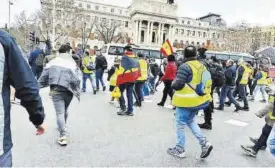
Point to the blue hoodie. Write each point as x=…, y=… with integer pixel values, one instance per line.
x=15, y=71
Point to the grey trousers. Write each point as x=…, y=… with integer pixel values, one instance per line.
x=61, y=103
x=6, y=159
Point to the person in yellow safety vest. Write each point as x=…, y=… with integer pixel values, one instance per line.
x=261, y=79
x=88, y=63
x=261, y=142
x=242, y=76
x=250, y=80
x=112, y=77
x=188, y=102
x=139, y=84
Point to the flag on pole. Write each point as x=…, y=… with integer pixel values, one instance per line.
x=166, y=48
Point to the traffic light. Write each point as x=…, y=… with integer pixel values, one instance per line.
x=32, y=36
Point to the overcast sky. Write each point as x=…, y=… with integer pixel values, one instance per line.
x=253, y=11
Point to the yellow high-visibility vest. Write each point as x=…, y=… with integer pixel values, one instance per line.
x=244, y=80
x=85, y=61
x=187, y=97
x=263, y=80
x=271, y=100
x=143, y=69
x=113, y=78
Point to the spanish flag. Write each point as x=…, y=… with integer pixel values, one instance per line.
x=166, y=48
x=129, y=70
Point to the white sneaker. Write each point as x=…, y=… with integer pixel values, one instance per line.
x=63, y=141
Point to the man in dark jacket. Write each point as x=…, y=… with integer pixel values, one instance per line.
x=101, y=65
x=212, y=66
x=16, y=72
x=227, y=89
x=34, y=56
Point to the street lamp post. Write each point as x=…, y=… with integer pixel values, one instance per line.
x=10, y=3
x=53, y=35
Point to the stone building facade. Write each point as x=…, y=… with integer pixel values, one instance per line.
x=151, y=22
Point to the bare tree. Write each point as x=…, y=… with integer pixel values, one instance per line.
x=109, y=31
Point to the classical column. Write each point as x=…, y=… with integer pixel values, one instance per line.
x=169, y=32
x=136, y=32
x=151, y=32
x=148, y=33
x=161, y=34
x=172, y=35
x=159, y=29
x=139, y=32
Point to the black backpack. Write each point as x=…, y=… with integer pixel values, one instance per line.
x=217, y=73
x=39, y=60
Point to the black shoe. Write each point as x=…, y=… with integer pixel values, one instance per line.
x=239, y=99
x=161, y=104
x=206, y=150
x=83, y=90
x=245, y=108
x=249, y=150
x=206, y=126
x=94, y=92
x=174, y=108
x=228, y=104
x=104, y=88
x=122, y=112
x=255, y=140
x=137, y=104
x=97, y=89
x=219, y=108
x=237, y=109
x=129, y=114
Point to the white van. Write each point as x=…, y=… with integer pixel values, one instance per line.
x=113, y=51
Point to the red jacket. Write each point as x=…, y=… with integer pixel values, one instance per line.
x=170, y=72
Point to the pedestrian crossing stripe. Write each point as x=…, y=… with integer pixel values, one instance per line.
x=148, y=101
x=169, y=106
x=237, y=123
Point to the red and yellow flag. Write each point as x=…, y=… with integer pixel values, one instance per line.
x=166, y=48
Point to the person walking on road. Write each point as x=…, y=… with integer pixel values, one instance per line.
x=36, y=61
x=227, y=89
x=128, y=73
x=261, y=142
x=88, y=63
x=101, y=66
x=112, y=78
x=141, y=80
x=168, y=77
x=188, y=101
x=243, y=73
x=16, y=72
x=261, y=79
x=217, y=76
x=61, y=75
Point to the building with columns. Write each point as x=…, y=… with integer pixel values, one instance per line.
x=151, y=22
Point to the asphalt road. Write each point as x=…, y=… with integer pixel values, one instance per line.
x=98, y=137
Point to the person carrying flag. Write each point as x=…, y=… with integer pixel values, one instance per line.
x=129, y=72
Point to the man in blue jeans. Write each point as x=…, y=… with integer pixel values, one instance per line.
x=101, y=65
x=227, y=89
x=128, y=74
x=189, y=102
x=15, y=72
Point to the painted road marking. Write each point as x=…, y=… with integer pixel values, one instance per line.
x=237, y=123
